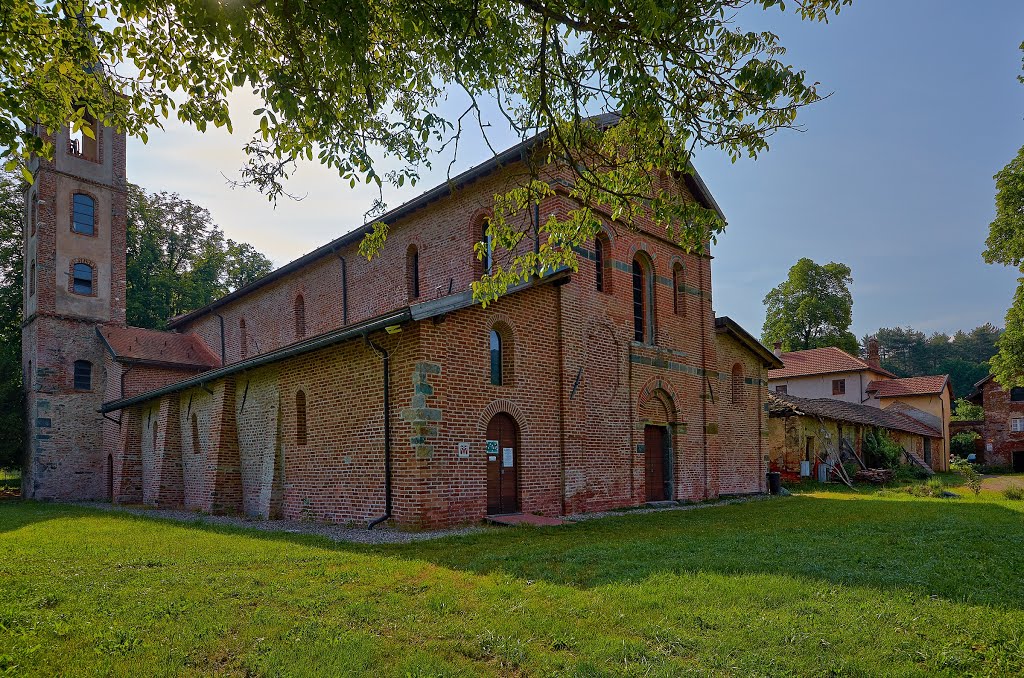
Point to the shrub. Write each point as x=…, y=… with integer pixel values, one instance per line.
x=881, y=450
x=962, y=444
x=906, y=473
x=1014, y=492
x=968, y=472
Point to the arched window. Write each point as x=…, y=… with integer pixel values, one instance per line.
x=81, y=279
x=643, y=306
x=488, y=242
x=496, y=361
x=195, y=434
x=679, y=289
x=83, y=214
x=300, y=317
x=243, y=339
x=412, y=271
x=300, y=417
x=81, y=144
x=83, y=375
x=601, y=250
x=737, y=383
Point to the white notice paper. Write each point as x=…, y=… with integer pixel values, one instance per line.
x=507, y=458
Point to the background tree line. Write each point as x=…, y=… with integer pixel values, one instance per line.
x=178, y=260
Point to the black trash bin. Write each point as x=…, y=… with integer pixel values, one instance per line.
x=774, y=482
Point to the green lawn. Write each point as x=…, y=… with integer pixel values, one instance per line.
x=815, y=584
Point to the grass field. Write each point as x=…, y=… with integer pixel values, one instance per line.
x=816, y=584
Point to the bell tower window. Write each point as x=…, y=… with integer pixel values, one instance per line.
x=83, y=214
x=84, y=142
x=82, y=279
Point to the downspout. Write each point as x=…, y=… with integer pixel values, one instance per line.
x=386, y=367
x=761, y=388
x=561, y=393
x=707, y=379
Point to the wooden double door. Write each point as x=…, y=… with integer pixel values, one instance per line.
x=503, y=465
x=656, y=463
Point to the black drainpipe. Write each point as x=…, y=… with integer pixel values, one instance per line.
x=386, y=364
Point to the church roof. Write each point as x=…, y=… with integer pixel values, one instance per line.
x=821, y=361
x=507, y=157
x=782, y=405
x=138, y=345
x=725, y=324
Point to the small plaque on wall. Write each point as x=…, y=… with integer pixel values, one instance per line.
x=463, y=450
x=492, y=447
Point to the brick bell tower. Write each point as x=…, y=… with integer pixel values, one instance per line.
x=75, y=243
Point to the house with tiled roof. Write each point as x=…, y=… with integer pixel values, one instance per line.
x=809, y=435
x=833, y=374
x=1002, y=428
x=828, y=372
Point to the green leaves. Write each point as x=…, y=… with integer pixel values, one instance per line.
x=812, y=308
x=366, y=83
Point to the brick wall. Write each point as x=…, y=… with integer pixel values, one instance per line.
x=997, y=433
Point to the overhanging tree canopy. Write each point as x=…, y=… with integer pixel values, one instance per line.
x=353, y=83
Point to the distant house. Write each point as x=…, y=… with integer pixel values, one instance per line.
x=1002, y=429
x=833, y=374
x=827, y=373
x=806, y=434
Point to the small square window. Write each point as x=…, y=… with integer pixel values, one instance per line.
x=81, y=279
x=782, y=389
x=1017, y=425
x=1017, y=394
x=838, y=387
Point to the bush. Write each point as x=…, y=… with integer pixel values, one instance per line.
x=1014, y=492
x=968, y=472
x=880, y=450
x=906, y=473
x=962, y=444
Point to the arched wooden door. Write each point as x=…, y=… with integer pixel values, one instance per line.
x=502, y=465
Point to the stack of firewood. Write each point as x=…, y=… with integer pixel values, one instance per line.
x=878, y=476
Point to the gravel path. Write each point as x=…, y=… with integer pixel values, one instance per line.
x=580, y=517
x=379, y=535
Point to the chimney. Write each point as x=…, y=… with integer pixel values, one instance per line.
x=873, y=359
x=778, y=349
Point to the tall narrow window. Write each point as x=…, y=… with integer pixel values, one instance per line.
x=243, y=339
x=83, y=214
x=81, y=279
x=496, y=376
x=489, y=244
x=32, y=279
x=678, y=289
x=33, y=214
x=737, y=383
x=638, y=301
x=154, y=434
x=300, y=317
x=599, y=257
x=83, y=375
x=300, y=417
x=195, y=434
x=412, y=267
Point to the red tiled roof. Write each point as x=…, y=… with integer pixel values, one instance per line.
x=820, y=361
x=135, y=344
x=891, y=388
x=781, y=405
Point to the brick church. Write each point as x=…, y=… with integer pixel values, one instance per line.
x=348, y=390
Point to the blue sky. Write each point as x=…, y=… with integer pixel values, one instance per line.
x=892, y=175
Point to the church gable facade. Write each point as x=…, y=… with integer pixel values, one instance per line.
x=348, y=390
